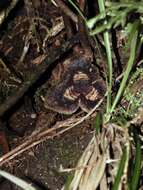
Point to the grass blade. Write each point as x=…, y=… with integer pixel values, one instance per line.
x=101, y=4
x=137, y=167
x=120, y=170
x=21, y=183
x=129, y=66
x=77, y=9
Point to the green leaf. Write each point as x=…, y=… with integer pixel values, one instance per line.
x=98, y=122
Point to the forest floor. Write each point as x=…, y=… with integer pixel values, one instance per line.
x=38, y=43
x=27, y=115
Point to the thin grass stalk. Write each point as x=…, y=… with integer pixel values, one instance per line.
x=19, y=182
x=137, y=166
x=78, y=10
x=101, y=4
x=120, y=170
x=133, y=48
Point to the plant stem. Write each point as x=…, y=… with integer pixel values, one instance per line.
x=109, y=57
x=129, y=67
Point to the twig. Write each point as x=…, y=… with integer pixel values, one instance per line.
x=66, y=10
x=36, y=139
x=4, y=13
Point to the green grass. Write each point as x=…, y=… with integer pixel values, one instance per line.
x=133, y=47
x=133, y=184
x=109, y=57
x=120, y=170
x=117, y=15
x=114, y=15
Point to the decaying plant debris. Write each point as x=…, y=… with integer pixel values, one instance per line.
x=71, y=94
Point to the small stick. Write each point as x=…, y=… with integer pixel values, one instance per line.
x=4, y=13
x=66, y=10
x=41, y=136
